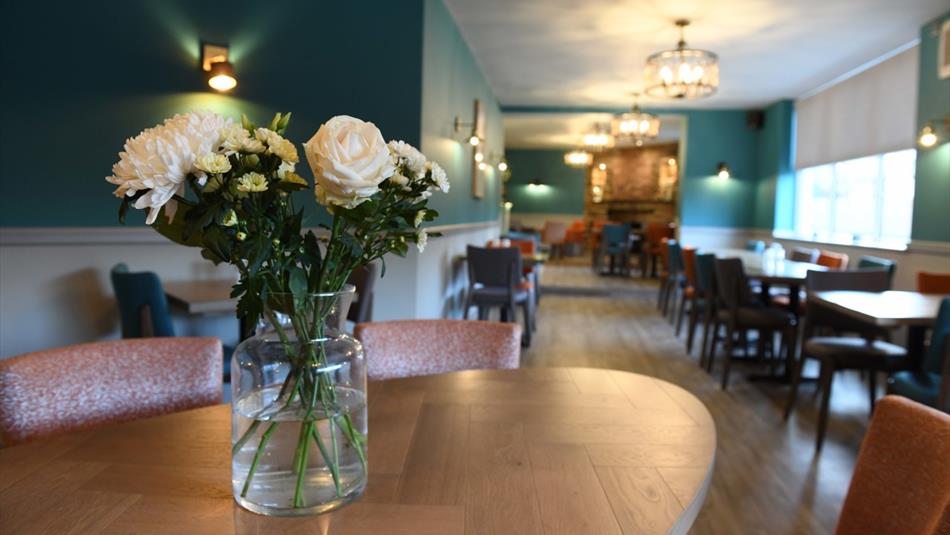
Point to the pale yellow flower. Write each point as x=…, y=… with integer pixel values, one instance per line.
x=420, y=215
x=230, y=219
x=251, y=183
x=277, y=145
x=213, y=163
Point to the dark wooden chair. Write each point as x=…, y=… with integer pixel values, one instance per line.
x=862, y=352
x=740, y=312
x=495, y=281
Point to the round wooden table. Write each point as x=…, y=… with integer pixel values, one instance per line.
x=529, y=451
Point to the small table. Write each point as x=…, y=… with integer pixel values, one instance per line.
x=202, y=297
x=545, y=450
x=781, y=272
x=888, y=309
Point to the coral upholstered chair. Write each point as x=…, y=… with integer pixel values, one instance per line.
x=409, y=348
x=82, y=386
x=901, y=483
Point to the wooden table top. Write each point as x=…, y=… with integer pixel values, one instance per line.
x=778, y=272
x=202, y=297
x=526, y=452
x=887, y=309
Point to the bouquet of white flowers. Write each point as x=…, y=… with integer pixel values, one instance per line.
x=209, y=182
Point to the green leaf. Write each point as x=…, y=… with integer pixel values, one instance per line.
x=176, y=229
x=247, y=124
x=298, y=285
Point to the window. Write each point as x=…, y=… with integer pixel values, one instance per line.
x=865, y=201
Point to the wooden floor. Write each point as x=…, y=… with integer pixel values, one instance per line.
x=767, y=478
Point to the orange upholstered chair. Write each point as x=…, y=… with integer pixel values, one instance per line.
x=654, y=248
x=82, y=386
x=832, y=260
x=901, y=483
x=408, y=348
x=933, y=283
x=576, y=232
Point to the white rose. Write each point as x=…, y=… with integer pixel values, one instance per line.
x=349, y=159
x=277, y=145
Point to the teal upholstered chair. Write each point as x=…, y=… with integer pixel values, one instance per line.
x=614, y=242
x=874, y=262
x=143, y=308
x=931, y=384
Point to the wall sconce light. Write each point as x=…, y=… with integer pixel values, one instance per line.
x=474, y=138
x=928, y=136
x=503, y=165
x=722, y=171
x=536, y=185
x=214, y=61
x=479, y=157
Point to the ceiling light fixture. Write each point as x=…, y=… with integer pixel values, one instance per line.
x=578, y=158
x=682, y=72
x=599, y=139
x=214, y=61
x=636, y=124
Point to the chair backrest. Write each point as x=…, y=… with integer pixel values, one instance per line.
x=553, y=232
x=82, y=386
x=494, y=267
x=364, y=280
x=655, y=232
x=675, y=256
x=900, y=480
x=832, y=260
x=689, y=265
x=527, y=247
x=612, y=234
x=823, y=281
x=802, y=254
x=933, y=283
x=408, y=348
x=706, y=274
x=875, y=262
x=757, y=246
x=939, y=340
x=732, y=284
x=142, y=303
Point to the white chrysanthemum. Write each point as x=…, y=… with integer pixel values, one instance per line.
x=277, y=145
x=406, y=153
x=252, y=183
x=399, y=179
x=158, y=160
x=238, y=139
x=439, y=177
x=422, y=238
x=213, y=163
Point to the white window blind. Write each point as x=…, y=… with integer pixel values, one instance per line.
x=870, y=113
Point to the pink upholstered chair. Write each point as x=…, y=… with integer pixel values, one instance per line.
x=901, y=483
x=82, y=386
x=425, y=347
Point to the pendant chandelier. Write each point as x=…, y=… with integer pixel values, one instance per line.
x=599, y=139
x=578, y=158
x=682, y=72
x=636, y=124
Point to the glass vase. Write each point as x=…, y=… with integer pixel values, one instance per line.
x=299, y=409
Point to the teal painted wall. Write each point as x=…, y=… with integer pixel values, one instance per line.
x=95, y=76
x=932, y=193
x=451, y=81
x=563, y=190
x=775, y=184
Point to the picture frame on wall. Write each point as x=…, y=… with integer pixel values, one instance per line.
x=943, y=51
x=478, y=177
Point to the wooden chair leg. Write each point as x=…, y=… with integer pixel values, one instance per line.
x=727, y=359
x=796, y=382
x=824, y=381
x=526, y=334
x=691, y=326
x=482, y=312
x=872, y=389
x=707, y=321
x=659, y=297
x=682, y=312
x=711, y=360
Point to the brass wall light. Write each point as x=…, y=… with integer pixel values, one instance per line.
x=723, y=171
x=477, y=125
x=214, y=61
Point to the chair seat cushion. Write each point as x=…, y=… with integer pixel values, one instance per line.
x=852, y=352
x=759, y=318
x=498, y=294
x=922, y=387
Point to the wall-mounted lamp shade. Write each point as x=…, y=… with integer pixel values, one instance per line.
x=928, y=137
x=722, y=171
x=221, y=77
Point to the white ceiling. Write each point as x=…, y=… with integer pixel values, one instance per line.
x=591, y=52
x=566, y=130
